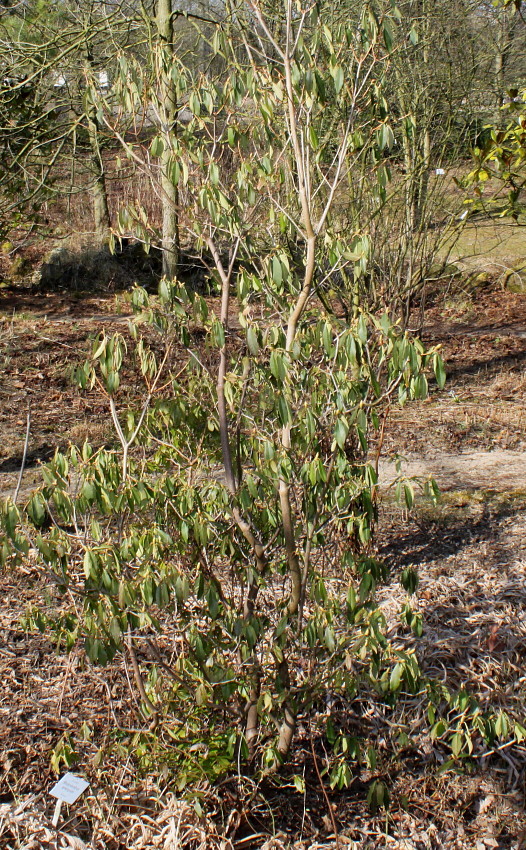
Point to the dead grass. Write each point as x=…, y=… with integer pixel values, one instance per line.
x=489, y=245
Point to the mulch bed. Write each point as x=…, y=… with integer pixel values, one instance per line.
x=471, y=558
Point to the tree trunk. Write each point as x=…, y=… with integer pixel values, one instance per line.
x=101, y=213
x=99, y=195
x=169, y=191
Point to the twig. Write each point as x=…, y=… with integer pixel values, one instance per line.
x=322, y=786
x=379, y=448
x=20, y=474
x=66, y=677
x=138, y=678
x=246, y=373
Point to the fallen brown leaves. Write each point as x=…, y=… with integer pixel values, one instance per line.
x=471, y=556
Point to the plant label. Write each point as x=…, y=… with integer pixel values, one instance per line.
x=69, y=788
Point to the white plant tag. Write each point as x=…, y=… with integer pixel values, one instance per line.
x=69, y=788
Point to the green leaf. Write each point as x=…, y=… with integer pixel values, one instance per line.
x=201, y=694
x=36, y=509
x=174, y=172
x=370, y=757
x=213, y=603
x=385, y=137
x=252, y=340
x=164, y=291
x=299, y=783
x=416, y=625
x=456, y=743
x=277, y=365
x=361, y=329
x=409, y=580
x=90, y=564
x=214, y=173
x=284, y=411
x=351, y=598
x=157, y=146
x=339, y=78
x=313, y=138
x=388, y=35
x=218, y=334
x=327, y=339
x=396, y=676
x=437, y=730
x=329, y=640
x=277, y=271
x=148, y=590
x=340, y=432
x=501, y=725
x=440, y=372
x=112, y=382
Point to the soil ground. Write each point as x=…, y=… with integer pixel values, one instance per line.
x=469, y=550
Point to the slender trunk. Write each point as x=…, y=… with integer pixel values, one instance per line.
x=170, y=225
x=287, y=729
x=251, y=710
x=508, y=20
x=499, y=75
x=422, y=180
x=290, y=713
x=298, y=577
x=251, y=718
x=242, y=522
x=295, y=316
x=423, y=159
x=99, y=194
x=169, y=191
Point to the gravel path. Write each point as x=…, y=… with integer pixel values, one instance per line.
x=496, y=470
